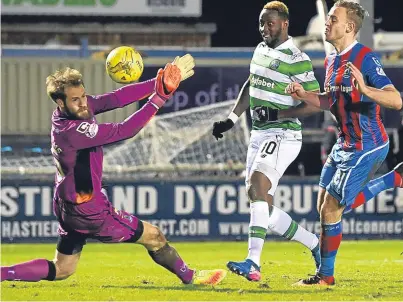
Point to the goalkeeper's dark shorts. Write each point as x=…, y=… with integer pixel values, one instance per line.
x=109, y=226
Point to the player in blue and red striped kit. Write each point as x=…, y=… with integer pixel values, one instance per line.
x=355, y=88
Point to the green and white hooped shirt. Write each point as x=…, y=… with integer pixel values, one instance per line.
x=271, y=70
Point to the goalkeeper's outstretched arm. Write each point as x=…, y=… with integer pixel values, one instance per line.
x=138, y=91
x=240, y=106
x=87, y=134
x=121, y=97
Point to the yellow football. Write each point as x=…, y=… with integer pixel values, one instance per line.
x=124, y=65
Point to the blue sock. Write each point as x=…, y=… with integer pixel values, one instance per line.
x=375, y=186
x=387, y=181
x=330, y=239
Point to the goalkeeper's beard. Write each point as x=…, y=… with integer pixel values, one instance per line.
x=85, y=114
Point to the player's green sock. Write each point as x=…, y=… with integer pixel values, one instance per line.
x=281, y=223
x=259, y=215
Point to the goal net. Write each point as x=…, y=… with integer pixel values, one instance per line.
x=179, y=141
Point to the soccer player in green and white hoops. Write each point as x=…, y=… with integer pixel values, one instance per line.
x=274, y=142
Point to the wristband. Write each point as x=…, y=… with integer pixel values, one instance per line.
x=233, y=117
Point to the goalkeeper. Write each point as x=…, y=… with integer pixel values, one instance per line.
x=81, y=208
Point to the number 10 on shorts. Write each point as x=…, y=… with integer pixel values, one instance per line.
x=268, y=148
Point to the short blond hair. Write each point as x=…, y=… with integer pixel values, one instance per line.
x=278, y=6
x=57, y=82
x=355, y=12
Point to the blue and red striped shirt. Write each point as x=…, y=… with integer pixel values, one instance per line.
x=358, y=116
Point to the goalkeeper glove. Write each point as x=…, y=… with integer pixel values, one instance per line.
x=167, y=81
x=186, y=64
x=221, y=127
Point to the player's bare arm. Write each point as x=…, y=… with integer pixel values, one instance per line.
x=315, y=99
x=241, y=105
x=243, y=100
x=303, y=109
x=387, y=97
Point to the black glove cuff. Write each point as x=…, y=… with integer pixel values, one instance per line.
x=229, y=123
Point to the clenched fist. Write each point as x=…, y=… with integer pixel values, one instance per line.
x=222, y=126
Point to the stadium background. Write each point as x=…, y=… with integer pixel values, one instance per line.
x=174, y=173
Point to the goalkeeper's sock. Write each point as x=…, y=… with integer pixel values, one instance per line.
x=34, y=270
x=281, y=223
x=170, y=259
x=259, y=214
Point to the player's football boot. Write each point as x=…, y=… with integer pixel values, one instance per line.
x=209, y=277
x=248, y=269
x=316, y=280
x=399, y=169
x=316, y=257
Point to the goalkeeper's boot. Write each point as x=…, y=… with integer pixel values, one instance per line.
x=399, y=170
x=209, y=277
x=248, y=269
x=317, y=279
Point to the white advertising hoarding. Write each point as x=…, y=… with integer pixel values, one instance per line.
x=163, y=8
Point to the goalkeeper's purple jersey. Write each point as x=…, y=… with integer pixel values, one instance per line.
x=77, y=144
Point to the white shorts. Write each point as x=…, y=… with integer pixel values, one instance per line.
x=271, y=152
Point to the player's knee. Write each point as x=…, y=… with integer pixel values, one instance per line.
x=255, y=193
x=152, y=238
x=156, y=237
x=63, y=271
x=259, y=186
x=159, y=236
x=330, y=211
x=251, y=192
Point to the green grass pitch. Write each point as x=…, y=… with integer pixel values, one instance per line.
x=365, y=270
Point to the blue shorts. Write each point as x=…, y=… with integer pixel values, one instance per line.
x=346, y=173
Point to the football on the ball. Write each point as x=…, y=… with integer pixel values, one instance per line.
x=124, y=65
